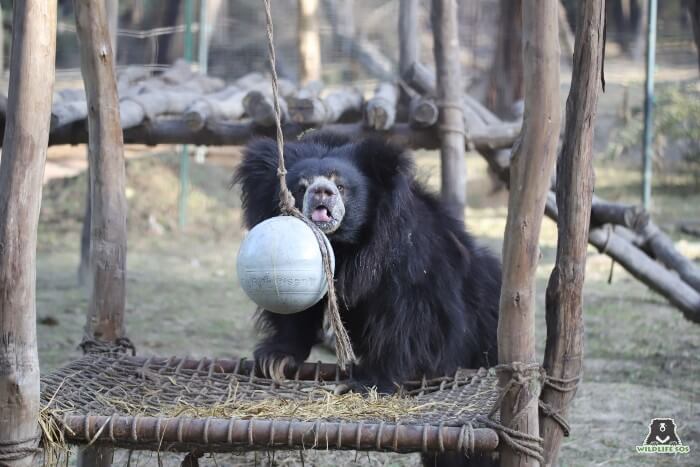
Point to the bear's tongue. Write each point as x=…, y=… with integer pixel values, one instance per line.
x=320, y=214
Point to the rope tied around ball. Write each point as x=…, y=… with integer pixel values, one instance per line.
x=343, y=346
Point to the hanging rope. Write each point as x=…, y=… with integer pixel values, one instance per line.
x=343, y=347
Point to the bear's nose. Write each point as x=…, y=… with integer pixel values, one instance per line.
x=323, y=192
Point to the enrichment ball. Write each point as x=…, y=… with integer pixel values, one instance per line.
x=280, y=266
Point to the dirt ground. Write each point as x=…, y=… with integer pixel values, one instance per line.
x=642, y=358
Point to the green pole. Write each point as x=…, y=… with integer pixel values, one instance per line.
x=648, y=142
x=184, y=155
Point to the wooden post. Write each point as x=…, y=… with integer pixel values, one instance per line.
x=309, y=44
x=409, y=45
x=534, y=157
x=30, y=95
x=443, y=17
x=564, y=351
x=105, y=321
x=107, y=177
x=506, y=75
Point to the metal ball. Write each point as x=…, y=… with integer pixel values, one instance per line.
x=280, y=266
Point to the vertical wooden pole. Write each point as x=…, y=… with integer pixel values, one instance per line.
x=506, y=75
x=409, y=46
x=105, y=320
x=564, y=351
x=443, y=17
x=185, y=151
x=308, y=42
x=26, y=139
x=534, y=157
x=648, y=142
x=107, y=177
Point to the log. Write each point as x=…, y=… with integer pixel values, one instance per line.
x=66, y=112
x=603, y=212
x=107, y=176
x=642, y=267
x=224, y=133
x=134, y=109
x=532, y=164
x=260, y=107
x=453, y=165
x=213, y=106
x=179, y=434
x=420, y=78
x=662, y=248
x=317, y=111
x=21, y=176
x=380, y=111
x=423, y=112
x=563, y=358
x=634, y=261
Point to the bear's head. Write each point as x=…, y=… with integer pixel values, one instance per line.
x=343, y=187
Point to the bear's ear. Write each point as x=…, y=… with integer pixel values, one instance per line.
x=325, y=138
x=257, y=177
x=382, y=161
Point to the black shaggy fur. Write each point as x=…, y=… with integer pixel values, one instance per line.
x=416, y=293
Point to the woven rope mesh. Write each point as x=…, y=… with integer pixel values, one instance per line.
x=112, y=383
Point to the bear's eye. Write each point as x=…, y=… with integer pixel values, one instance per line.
x=341, y=189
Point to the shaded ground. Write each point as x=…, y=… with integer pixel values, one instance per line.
x=642, y=357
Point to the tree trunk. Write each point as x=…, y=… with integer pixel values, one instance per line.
x=564, y=350
x=107, y=177
x=506, y=80
x=694, y=11
x=105, y=321
x=21, y=175
x=453, y=167
x=534, y=157
x=308, y=41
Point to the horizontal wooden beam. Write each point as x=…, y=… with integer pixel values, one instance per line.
x=222, y=435
x=177, y=131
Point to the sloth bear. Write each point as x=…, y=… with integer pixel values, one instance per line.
x=417, y=295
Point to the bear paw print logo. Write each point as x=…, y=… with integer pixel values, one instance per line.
x=662, y=438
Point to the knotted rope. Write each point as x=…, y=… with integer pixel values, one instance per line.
x=521, y=376
x=343, y=347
